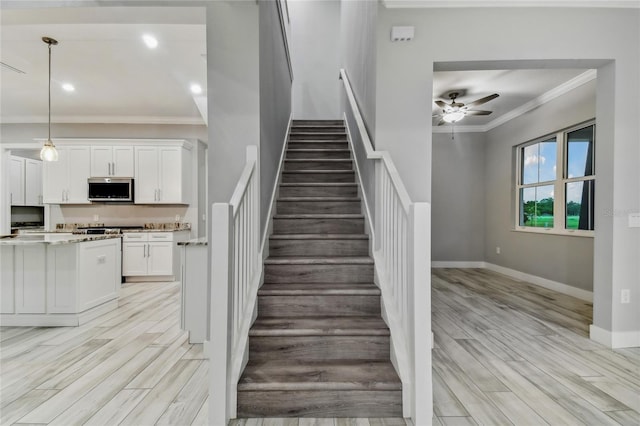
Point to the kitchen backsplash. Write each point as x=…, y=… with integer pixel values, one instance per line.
x=120, y=214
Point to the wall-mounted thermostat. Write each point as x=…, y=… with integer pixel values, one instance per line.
x=402, y=33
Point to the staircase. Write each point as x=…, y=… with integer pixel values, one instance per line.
x=319, y=347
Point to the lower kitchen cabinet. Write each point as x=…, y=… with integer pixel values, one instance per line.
x=151, y=254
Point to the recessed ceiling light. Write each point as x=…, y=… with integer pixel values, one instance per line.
x=68, y=87
x=196, y=89
x=150, y=41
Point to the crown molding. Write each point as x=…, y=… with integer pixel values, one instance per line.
x=107, y=119
x=560, y=90
x=421, y=4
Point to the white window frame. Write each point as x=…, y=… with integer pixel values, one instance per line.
x=559, y=184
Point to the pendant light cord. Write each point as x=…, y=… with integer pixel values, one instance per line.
x=49, y=138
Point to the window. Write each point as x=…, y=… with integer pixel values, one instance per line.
x=555, y=184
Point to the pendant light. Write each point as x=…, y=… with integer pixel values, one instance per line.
x=49, y=151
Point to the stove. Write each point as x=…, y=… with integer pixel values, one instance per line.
x=116, y=229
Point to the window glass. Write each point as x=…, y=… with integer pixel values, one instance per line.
x=580, y=153
x=579, y=210
x=536, y=206
x=539, y=162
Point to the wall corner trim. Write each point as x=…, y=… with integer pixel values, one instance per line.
x=614, y=339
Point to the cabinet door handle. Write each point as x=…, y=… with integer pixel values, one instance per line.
x=109, y=169
x=159, y=195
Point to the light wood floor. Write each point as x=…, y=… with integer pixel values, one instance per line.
x=506, y=353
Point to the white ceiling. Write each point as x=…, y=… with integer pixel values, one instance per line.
x=119, y=80
x=516, y=87
x=100, y=51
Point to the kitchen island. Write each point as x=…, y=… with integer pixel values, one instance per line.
x=58, y=279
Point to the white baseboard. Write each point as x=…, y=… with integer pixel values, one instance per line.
x=521, y=276
x=618, y=339
x=543, y=282
x=456, y=264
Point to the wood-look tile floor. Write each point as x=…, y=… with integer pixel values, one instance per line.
x=506, y=353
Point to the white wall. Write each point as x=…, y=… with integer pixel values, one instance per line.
x=315, y=36
x=458, y=197
x=606, y=39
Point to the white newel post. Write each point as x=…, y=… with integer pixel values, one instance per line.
x=421, y=334
x=221, y=310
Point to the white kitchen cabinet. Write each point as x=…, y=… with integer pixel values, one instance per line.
x=16, y=180
x=58, y=281
x=65, y=180
x=32, y=182
x=162, y=175
x=116, y=161
x=30, y=283
x=151, y=253
x=25, y=181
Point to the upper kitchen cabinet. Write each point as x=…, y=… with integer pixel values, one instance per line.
x=16, y=180
x=65, y=180
x=162, y=174
x=25, y=181
x=114, y=161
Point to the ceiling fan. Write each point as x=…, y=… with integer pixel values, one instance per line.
x=456, y=111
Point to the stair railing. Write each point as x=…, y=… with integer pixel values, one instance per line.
x=400, y=232
x=235, y=275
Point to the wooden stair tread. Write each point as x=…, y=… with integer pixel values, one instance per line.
x=319, y=199
x=319, y=237
x=318, y=289
x=320, y=326
x=319, y=375
x=324, y=260
x=318, y=160
x=317, y=184
x=303, y=171
x=319, y=216
x=318, y=150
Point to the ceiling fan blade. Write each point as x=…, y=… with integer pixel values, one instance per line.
x=441, y=104
x=441, y=122
x=478, y=112
x=481, y=101
x=436, y=115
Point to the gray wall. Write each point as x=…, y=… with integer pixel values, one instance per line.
x=606, y=39
x=232, y=92
x=458, y=197
x=565, y=259
x=315, y=35
x=275, y=102
x=358, y=20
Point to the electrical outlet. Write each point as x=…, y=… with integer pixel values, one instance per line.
x=625, y=296
x=96, y=217
x=497, y=250
x=177, y=218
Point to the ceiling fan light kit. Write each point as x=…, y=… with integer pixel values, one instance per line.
x=49, y=151
x=456, y=111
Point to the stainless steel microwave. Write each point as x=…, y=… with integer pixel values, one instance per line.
x=111, y=189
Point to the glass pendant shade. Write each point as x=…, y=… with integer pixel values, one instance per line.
x=49, y=152
x=452, y=117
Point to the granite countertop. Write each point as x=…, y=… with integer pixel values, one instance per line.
x=147, y=227
x=202, y=241
x=52, y=238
